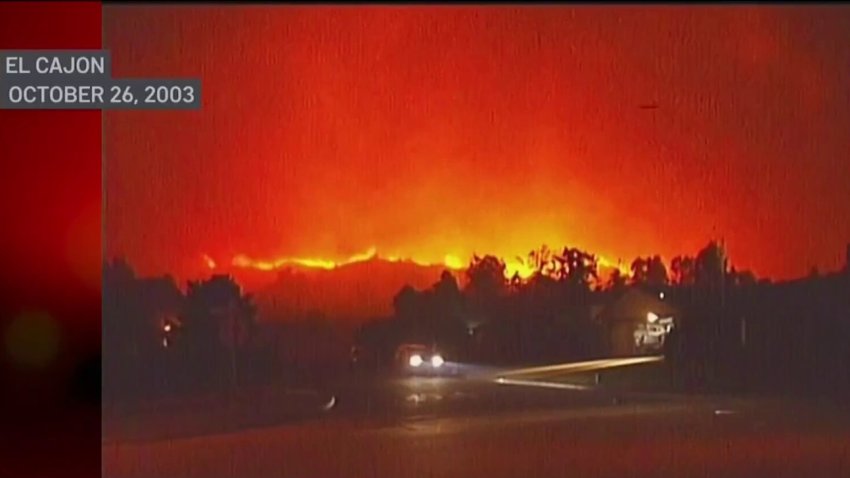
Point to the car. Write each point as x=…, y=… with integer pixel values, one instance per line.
x=418, y=358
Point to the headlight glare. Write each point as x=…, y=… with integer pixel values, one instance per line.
x=437, y=361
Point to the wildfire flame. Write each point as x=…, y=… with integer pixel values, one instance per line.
x=515, y=267
x=244, y=261
x=524, y=270
x=607, y=263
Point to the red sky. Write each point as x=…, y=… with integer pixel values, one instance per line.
x=433, y=131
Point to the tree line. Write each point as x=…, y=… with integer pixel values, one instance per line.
x=498, y=317
x=157, y=337
x=734, y=330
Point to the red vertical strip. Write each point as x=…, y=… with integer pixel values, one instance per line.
x=50, y=196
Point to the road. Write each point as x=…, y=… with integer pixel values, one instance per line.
x=472, y=426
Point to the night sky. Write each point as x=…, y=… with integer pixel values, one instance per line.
x=432, y=131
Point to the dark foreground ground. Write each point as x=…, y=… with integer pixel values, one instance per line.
x=472, y=426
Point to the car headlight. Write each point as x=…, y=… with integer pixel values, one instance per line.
x=415, y=360
x=437, y=361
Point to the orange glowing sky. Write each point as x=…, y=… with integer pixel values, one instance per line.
x=426, y=132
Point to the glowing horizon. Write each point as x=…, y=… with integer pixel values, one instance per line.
x=433, y=133
x=451, y=262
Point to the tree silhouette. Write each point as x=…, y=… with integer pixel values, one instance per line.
x=544, y=262
x=649, y=271
x=406, y=303
x=122, y=325
x=447, y=297
x=486, y=277
x=616, y=281
x=639, y=268
x=743, y=278
x=656, y=273
x=684, y=270
x=710, y=265
x=451, y=322
x=219, y=320
x=486, y=291
x=135, y=310
x=579, y=268
x=120, y=308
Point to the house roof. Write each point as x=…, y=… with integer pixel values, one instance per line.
x=634, y=304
